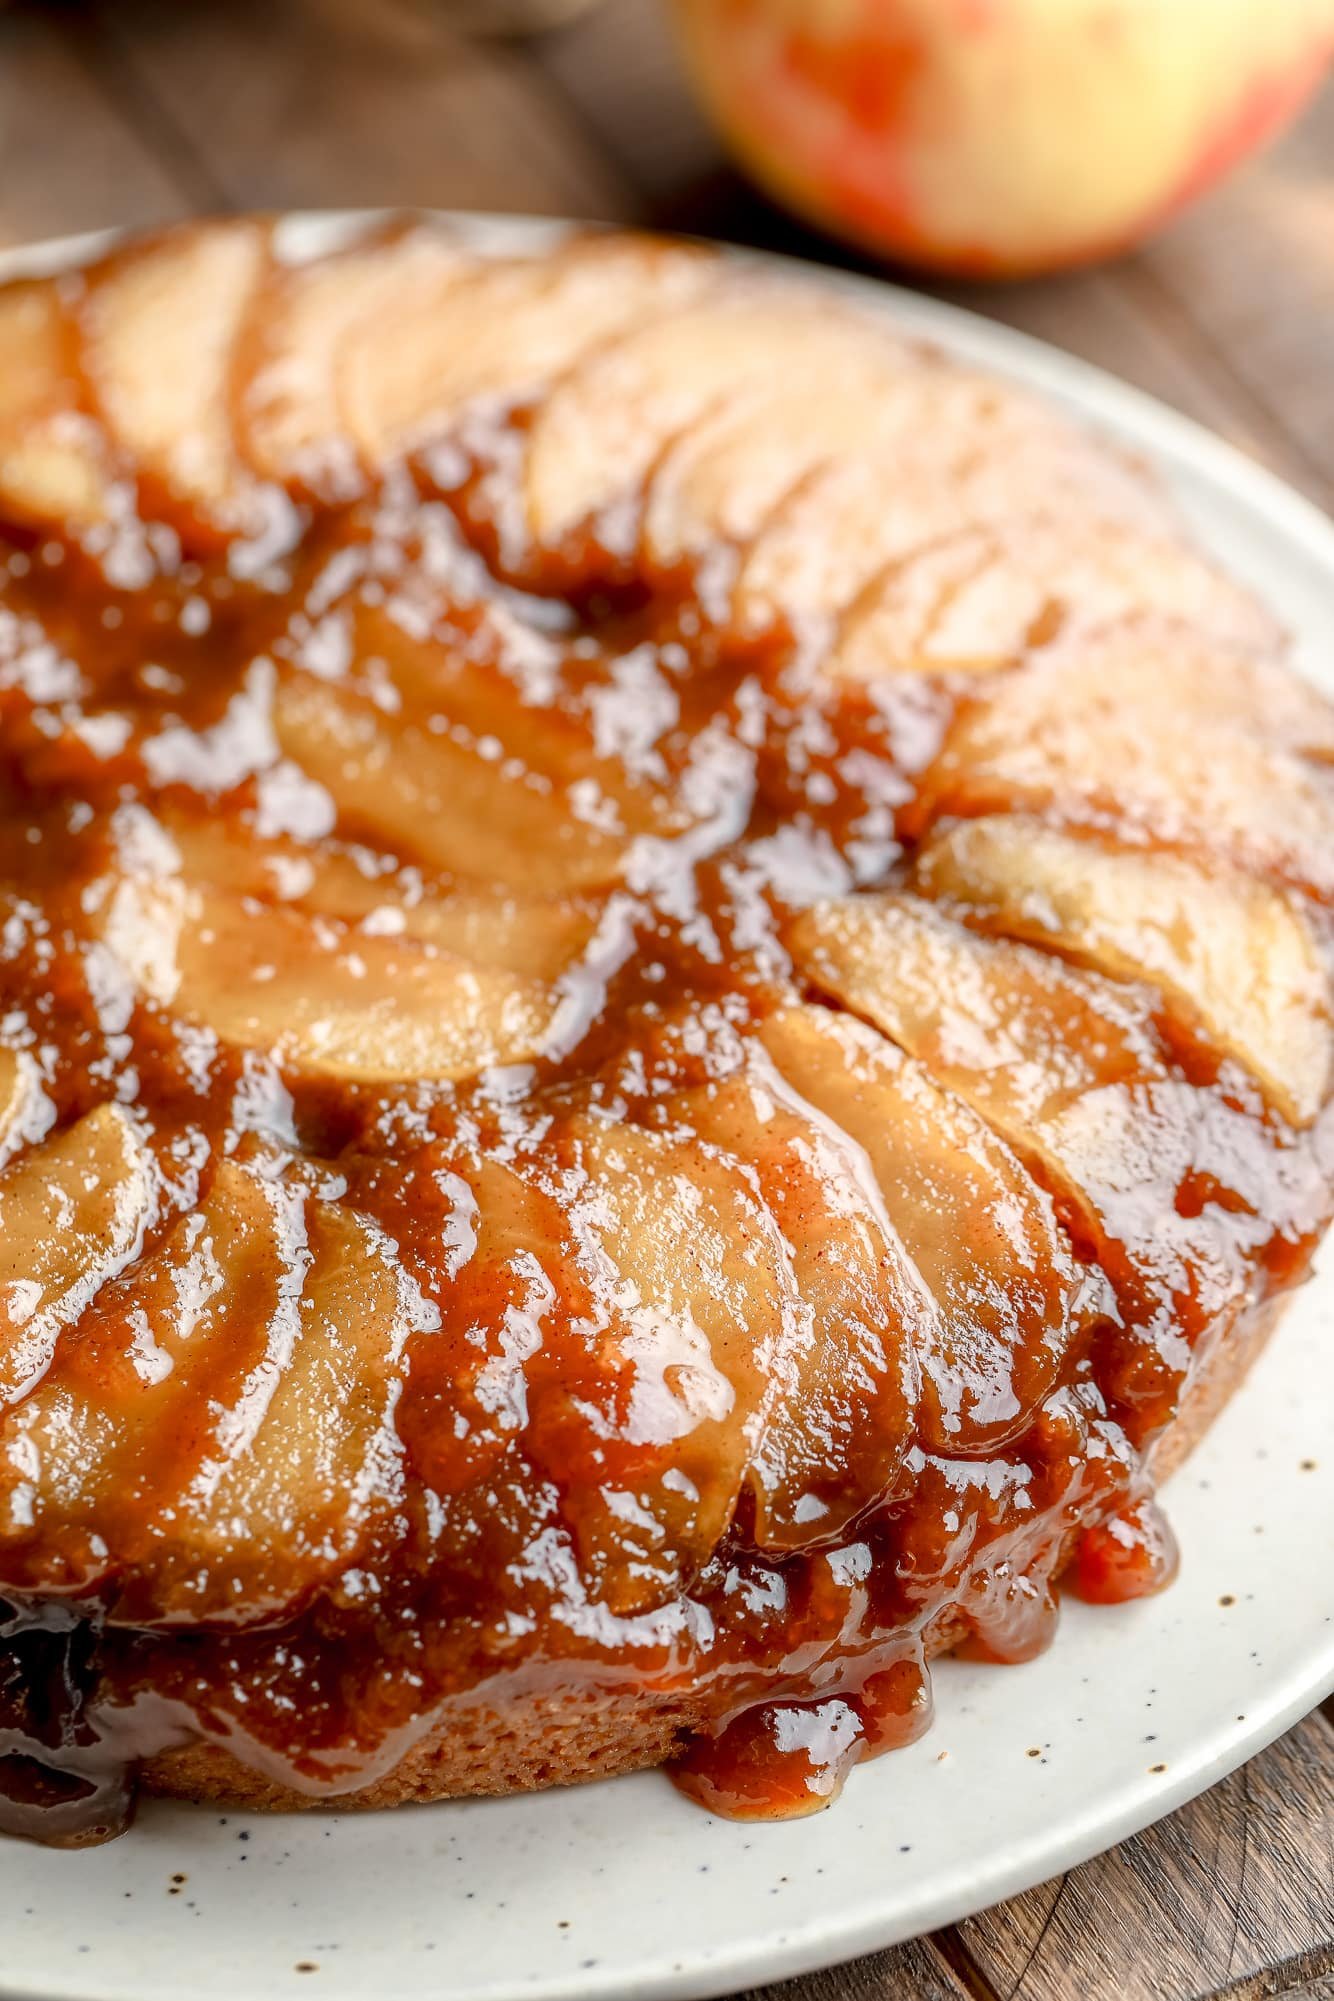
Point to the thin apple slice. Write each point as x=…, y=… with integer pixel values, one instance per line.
x=1233, y=958
x=614, y=1297
x=469, y=679
x=156, y=1373
x=13, y=1091
x=1145, y=671
x=512, y=1310
x=537, y=937
x=320, y=997
x=1102, y=740
x=1018, y=1033
x=291, y=421
x=839, y=1412
x=691, y=1273
x=989, y=596
x=1037, y=1029
x=54, y=464
x=726, y=474
x=72, y=1213
x=501, y=336
x=976, y=453
x=1009, y=1298
x=21, y=1103
x=218, y=1436
x=298, y=1486
x=598, y=435
x=1157, y=1179
x=435, y=801
x=1190, y=1194
x=160, y=325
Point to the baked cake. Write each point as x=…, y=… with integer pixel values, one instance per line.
x=664, y=1021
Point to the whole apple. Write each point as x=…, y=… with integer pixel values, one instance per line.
x=998, y=137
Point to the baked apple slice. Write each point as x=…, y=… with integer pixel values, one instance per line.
x=297, y=1487
x=1160, y=1181
x=323, y=998
x=1037, y=1029
x=1235, y=960
x=500, y=336
x=613, y=1297
x=474, y=678
x=1019, y=1033
x=158, y=1367
x=12, y=1092
x=690, y=1277
x=217, y=1437
x=160, y=324
x=291, y=422
x=975, y=454
x=1008, y=1296
x=20, y=1101
x=433, y=800
x=498, y=1265
x=72, y=1212
x=599, y=434
x=538, y=937
x=1101, y=744
x=725, y=475
x=989, y=596
x=839, y=1411
x=54, y=461
x=1133, y=675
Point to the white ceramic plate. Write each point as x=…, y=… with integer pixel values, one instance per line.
x=624, y=1889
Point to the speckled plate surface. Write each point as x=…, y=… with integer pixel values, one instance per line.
x=625, y=1890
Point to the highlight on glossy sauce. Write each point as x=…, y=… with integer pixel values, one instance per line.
x=664, y=970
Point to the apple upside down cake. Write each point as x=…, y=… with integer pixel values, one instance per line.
x=665, y=1021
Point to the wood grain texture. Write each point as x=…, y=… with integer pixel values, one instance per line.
x=1253, y=270
x=619, y=69
x=917, y=1971
x=68, y=160
x=130, y=111
x=1238, y=1882
x=329, y=103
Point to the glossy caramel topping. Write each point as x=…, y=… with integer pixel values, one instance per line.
x=634, y=1047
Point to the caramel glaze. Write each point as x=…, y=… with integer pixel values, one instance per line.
x=539, y=1514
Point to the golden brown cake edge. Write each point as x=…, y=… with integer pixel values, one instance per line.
x=569, y=1737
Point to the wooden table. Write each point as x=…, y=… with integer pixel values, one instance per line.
x=134, y=111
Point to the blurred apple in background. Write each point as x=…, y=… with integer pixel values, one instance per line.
x=1000, y=137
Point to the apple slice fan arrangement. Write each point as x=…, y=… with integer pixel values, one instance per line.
x=664, y=1022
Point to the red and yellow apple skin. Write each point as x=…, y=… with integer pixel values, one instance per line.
x=1000, y=137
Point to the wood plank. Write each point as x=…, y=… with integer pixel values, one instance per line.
x=620, y=68
x=68, y=160
x=1252, y=270
x=327, y=103
x=917, y=1971
x=1236, y=1884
